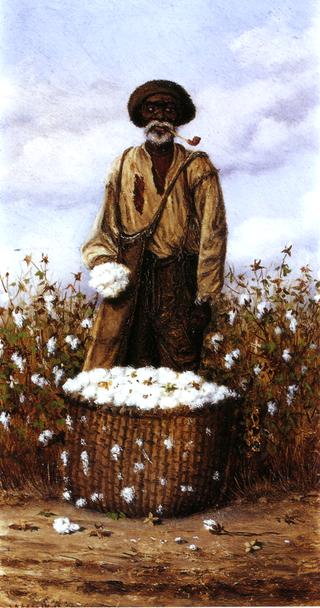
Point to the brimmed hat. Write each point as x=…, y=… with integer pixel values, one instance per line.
x=187, y=110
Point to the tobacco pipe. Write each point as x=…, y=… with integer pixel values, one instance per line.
x=192, y=142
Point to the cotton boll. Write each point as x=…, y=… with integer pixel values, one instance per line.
x=5, y=419
x=99, y=374
x=146, y=373
x=165, y=375
x=63, y=525
x=109, y=279
x=45, y=437
x=168, y=402
x=82, y=379
x=128, y=494
x=121, y=395
x=81, y=502
x=186, y=378
x=168, y=443
x=96, y=497
x=64, y=457
x=103, y=395
x=85, y=462
x=116, y=451
x=68, y=386
x=89, y=392
x=189, y=396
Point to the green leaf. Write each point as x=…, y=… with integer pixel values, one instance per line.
x=40, y=274
x=271, y=346
x=115, y=515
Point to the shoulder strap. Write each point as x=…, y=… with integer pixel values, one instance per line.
x=148, y=232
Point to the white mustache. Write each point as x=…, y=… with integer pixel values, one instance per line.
x=158, y=123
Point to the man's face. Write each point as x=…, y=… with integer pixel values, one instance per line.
x=159, y=113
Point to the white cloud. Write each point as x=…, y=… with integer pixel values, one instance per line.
x=275, y=46
x=264, y=237
x=59, y=143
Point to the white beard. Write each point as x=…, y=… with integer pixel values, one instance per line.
x=158, y=138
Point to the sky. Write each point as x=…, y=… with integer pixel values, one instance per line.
x=68, y=68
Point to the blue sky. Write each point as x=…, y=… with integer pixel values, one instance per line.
x=68, y=69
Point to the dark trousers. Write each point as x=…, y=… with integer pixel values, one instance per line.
x=168, y=326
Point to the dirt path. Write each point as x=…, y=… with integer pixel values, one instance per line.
x=142, y=565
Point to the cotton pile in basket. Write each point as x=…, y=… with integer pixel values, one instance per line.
x=146, y=388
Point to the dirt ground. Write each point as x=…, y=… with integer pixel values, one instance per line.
x=141, y=564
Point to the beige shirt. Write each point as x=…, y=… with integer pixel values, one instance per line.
x=193, y=218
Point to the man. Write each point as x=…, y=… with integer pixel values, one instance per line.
x=158, y=246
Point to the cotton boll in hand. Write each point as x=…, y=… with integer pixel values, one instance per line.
x=109, y=279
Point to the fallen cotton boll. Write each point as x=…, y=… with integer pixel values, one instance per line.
x=209, y=524
x=63, y=525
x=193, y=547
x=81, y=502
x=179, y=540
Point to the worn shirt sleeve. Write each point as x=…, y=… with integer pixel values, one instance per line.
x=211, y=215
x=102, y=243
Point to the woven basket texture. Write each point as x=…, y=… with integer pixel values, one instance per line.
x=175, y=462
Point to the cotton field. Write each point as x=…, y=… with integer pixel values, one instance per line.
x=263, y=345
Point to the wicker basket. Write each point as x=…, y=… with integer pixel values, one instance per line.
x=170, y=462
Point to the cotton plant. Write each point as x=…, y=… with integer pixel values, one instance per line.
x=271, y=353
x=36, y=318
x=264, y=341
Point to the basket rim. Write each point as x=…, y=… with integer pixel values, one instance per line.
x=136, y=412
